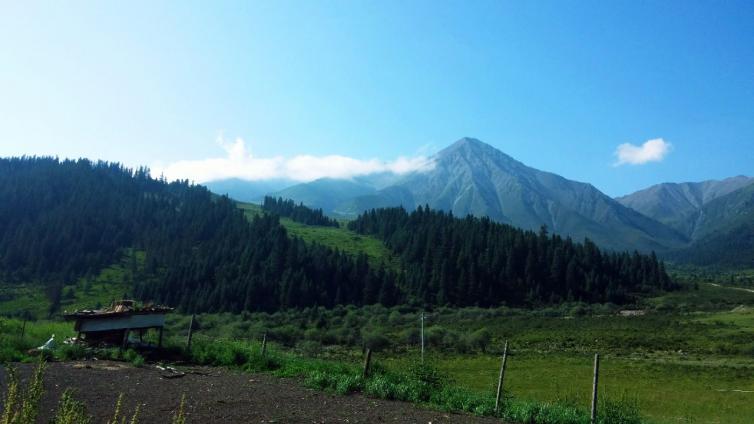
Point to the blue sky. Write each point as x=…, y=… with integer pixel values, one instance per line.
x=357, y=85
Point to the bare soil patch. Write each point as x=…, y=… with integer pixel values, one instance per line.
x=217, y=395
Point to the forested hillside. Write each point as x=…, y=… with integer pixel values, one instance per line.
x=475, y=261
x=62, y=220
x=473, y=177
x=299, y=213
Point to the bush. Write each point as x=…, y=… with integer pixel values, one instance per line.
x=410, y=336
x=133, y=357
x=68, y=352
x=480, y=339
x=342, y=384
x=309, y=348
x=375, y=341
x=435, y=335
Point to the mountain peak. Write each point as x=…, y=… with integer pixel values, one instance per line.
x=468, y=145
x=475, y=149
x=468, y=142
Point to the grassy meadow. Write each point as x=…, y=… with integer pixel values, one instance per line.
x=334, y=237
x=109, y=284
x=689, y=358
x=675, y=365
x=667, y=386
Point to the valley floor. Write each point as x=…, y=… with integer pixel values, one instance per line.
x=218, y=395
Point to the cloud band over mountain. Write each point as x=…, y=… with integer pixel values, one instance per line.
x=240, y=163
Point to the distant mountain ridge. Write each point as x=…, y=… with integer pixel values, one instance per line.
x=717, y=217
x=723, y=231
x=471, y=177
x=247, y=191
x=677, y=204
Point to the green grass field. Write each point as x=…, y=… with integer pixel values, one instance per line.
x=667, y=387
x=334, y=237
x=89, y=292
x=689, y=359
x=677, y=366
x=667, y=390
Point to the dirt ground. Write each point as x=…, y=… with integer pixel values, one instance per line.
x=215, y=395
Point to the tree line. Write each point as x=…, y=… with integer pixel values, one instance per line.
x=475, y=261
x=299, y=213
x=62, y=220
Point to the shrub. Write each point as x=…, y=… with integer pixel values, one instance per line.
x=375, y=341
x=68, y=352
x=133, y=357
x=480, y=339
x=435, y=335
x=309, y=348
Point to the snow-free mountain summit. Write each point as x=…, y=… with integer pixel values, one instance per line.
x=472, y=177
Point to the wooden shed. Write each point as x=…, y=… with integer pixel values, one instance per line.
x=114, y=324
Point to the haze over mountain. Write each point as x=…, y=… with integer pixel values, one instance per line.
x=335, y=196
x=677, y=204
x=471, y=177
x=247, y=191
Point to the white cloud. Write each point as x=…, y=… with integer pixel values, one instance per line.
x=240, y=163
x=653, y=150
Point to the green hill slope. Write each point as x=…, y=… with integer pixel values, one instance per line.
x=339, y=238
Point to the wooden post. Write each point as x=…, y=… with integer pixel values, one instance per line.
x=422, y=336
x=159, y=341
x=367, y=361
x=594, y=387
x=501, y=377
x=264, y=344
x=125, y=339
x=23, y=328
x=190, y=332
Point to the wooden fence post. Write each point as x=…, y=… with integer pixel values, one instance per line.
x=264, y=344
x=125, y=339
x=190, y=332
x=422, y=335
x=594, y=387
x=367, y=361
x=23, y=328
x=501, y=377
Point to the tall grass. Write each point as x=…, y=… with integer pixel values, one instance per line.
x=71, y=411
x=179, y=417
x=419, y=382
x=415, y=382
x=21, y=406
